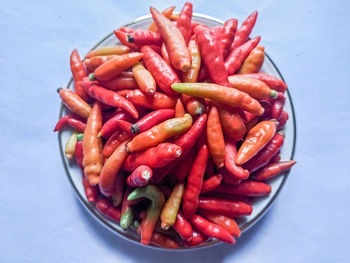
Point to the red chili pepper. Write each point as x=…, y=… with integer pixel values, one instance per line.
x=230, y=157
x=194, y=106
x=184, y=22
x=209, y=170
x=246, y=188
x=140, y=176
x=211, y=183
x=227, y=34
x=125, y=125
x=237, y=56
x=212, y=230
x=257, y=138
x=127, y=216
x=228, y=178
x=282, y=120
x=94, y=62
x=91, y=191
x=183, y=227
x=267, y=109
x=71, y=119
x=123, y=38
x=79, y=154
x=224, y=221
x=251, y=120
x=143, y=37
x=244, y=30
x=264, y=156
x=154, y=157
x=194, y=183
x=120, y=83
x=119, y=184
x=111, y=168
x=124, y=93
x=162, y=72
x=185, y=165
x=212, y=55
x=277, y=106
x=152, y=119
x=226, y=207
x=215, y=138
x=196, y=239
x=186, y=142
x=271, y=81
x=175, y=44
x=203, y=73
x=165, y=54
x=74, y=102
x=272, y=170
x=76, y=124
x=235, y=198
x=194, y=24
x=111, y=126
x=276, y=158
x=111, y=98
x=114, y=141
x=165, y=190
x=79, y=72
x=156, y=101
x=107, y=209
x=179, y=109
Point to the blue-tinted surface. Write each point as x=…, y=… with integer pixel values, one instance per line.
x=41, y=220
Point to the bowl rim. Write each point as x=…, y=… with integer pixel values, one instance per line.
x=127, y=236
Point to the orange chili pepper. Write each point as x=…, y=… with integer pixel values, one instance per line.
x=192, y=74
x=74, y=102
x=111, y=168
x=254, y=61
x=179, y=109
x=157, y=101
x=94, y=62
x=253, y=87
x=175, y=44
x=215, y=138
x=194, y=106
x=256, y=139
x=112, y=68
x=144, y=79
x=92, y=146
x=172, y=205
x=79, y=72
x=160, y=133
x=166, y=13
x=106, y=51
x=222, y=94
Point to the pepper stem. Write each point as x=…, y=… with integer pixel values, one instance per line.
x=92, y=77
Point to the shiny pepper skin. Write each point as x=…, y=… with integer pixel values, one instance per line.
x=79, y=72
x=244, y=30
x=172, y=205
x=215, y=138
x=74, y=102
x=254, y=61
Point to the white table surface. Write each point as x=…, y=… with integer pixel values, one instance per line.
x=41, y=220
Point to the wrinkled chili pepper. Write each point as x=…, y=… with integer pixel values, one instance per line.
x=143, y=37
x=112, y=68
x=282, y=120
x=140, y=176
x=175, y=44
x=212, y=55
x=212, y=229
x=230, y=157
x=272, y=170
x=184, y=21
x=254, y=61
x=154, y=157
x=271, y=81
x=183, y=227
x=92, y=145
x=236, y=57
x=224, y=221
x=211, y=183
x=93, y=63
x=277, y=106
x=179, y=109
x=226, y=207
x=79, y=72
x=120, y=83
x=194, y=183
x=264, y=156
x=257, y=138
x=244, y=30
x=255, y=88
x=111, y=168
x=144, y=79
x=160, y=133
x=74, y=102
x=221, y=94
x=111, y=98
x=152, y=119
x=156, y=101
x=215, y=138
x=107, y=209
x=157, y=200
x=69, y=148
x=246, y=188
x=119, y=184
x=167, y=13
x=227, y=34
x=196, y=239
x=161, y=71
x=111, y=126
x=172, y=205
x=107, y=51
x=185, y=165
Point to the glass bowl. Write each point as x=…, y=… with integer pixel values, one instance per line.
x=260, y=206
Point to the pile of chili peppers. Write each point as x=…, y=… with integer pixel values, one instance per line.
x=175, y=129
